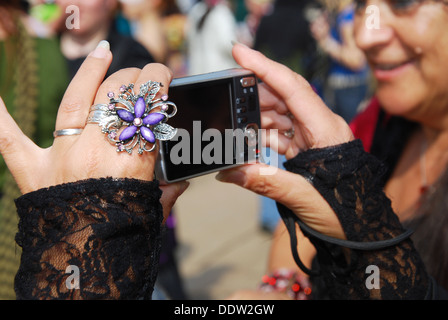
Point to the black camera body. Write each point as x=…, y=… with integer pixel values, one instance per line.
x=217, y=122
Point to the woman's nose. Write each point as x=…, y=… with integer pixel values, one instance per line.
x=373, y=28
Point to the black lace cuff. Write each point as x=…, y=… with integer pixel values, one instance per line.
x=350, y=180
x=107, y=229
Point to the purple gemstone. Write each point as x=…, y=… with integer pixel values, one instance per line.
x=128, y=133
x=148, y=134
x=164, y=97
x=111, y=106
x=164, y=107
x=153, y=118
x=139, y=108
x=125, y=115
x=122, y=88
x=110, y=95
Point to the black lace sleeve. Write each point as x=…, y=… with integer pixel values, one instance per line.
x=378, y=259
x=93, y=239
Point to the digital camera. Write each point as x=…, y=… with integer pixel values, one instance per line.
x=217, y=121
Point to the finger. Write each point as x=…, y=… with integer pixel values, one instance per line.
x=306, y=106
x=278, y=142
x=267, y=181
x=82, y=90
x=170, y=193
x=18, y=151
x=273, y=120
x=156, y=72
x=113, y=83
x=269, y=100
x=287, y=84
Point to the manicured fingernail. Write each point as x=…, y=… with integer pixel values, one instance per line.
x=101, y=50
x=236, y=42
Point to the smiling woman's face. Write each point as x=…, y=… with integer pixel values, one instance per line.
x=408, y=56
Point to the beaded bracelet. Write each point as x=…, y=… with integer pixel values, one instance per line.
x=287, y=281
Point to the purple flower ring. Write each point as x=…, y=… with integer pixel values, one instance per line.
x=135, y=120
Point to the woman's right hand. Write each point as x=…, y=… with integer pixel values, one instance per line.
x=288, y=101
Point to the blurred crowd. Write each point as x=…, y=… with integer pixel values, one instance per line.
x=43, y=43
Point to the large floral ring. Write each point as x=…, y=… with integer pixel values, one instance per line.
x=135, y=120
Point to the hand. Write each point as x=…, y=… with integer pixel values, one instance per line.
x=88, y=155
x=284, y=93
x=288, y=101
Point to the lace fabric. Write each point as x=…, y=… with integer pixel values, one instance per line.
x=109, y=229
x=350, y=180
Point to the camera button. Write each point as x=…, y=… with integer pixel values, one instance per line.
x=242, y=120
x=240, y=100
x=247, y=82
x=241, y=110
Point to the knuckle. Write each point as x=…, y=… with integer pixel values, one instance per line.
x=6, y=143
x=72, y=106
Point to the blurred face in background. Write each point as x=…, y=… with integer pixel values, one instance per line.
x=408, y=56
x=135, y=9
x=93, y=14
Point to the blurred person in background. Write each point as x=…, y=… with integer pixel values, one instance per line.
x=146, y=21
x=211, y=29
x=255, y=11
x=159, y=25
x=347, y=85
x=33, y=79
x=283, y=35
x=97, y=22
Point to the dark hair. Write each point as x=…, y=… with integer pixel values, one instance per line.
x=8, y=10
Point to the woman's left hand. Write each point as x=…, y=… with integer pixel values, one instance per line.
x=89, y=154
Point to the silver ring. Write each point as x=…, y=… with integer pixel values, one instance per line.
x=289, y=133
x=135, y=121
x=67, y=132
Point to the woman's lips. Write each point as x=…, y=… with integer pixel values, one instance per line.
x=389, y=71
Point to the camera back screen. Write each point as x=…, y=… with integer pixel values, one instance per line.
x=203, y=115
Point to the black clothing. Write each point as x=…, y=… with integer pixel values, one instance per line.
x=351, y=181
x=110, y=229
x=127, y=53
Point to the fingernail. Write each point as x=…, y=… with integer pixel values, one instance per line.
x=236, y=42
x=232, y=176
x=102, y=49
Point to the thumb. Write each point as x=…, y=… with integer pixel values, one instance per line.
x=15, y=147
x=289, y=189
x=170, y=193
x=268, y=181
